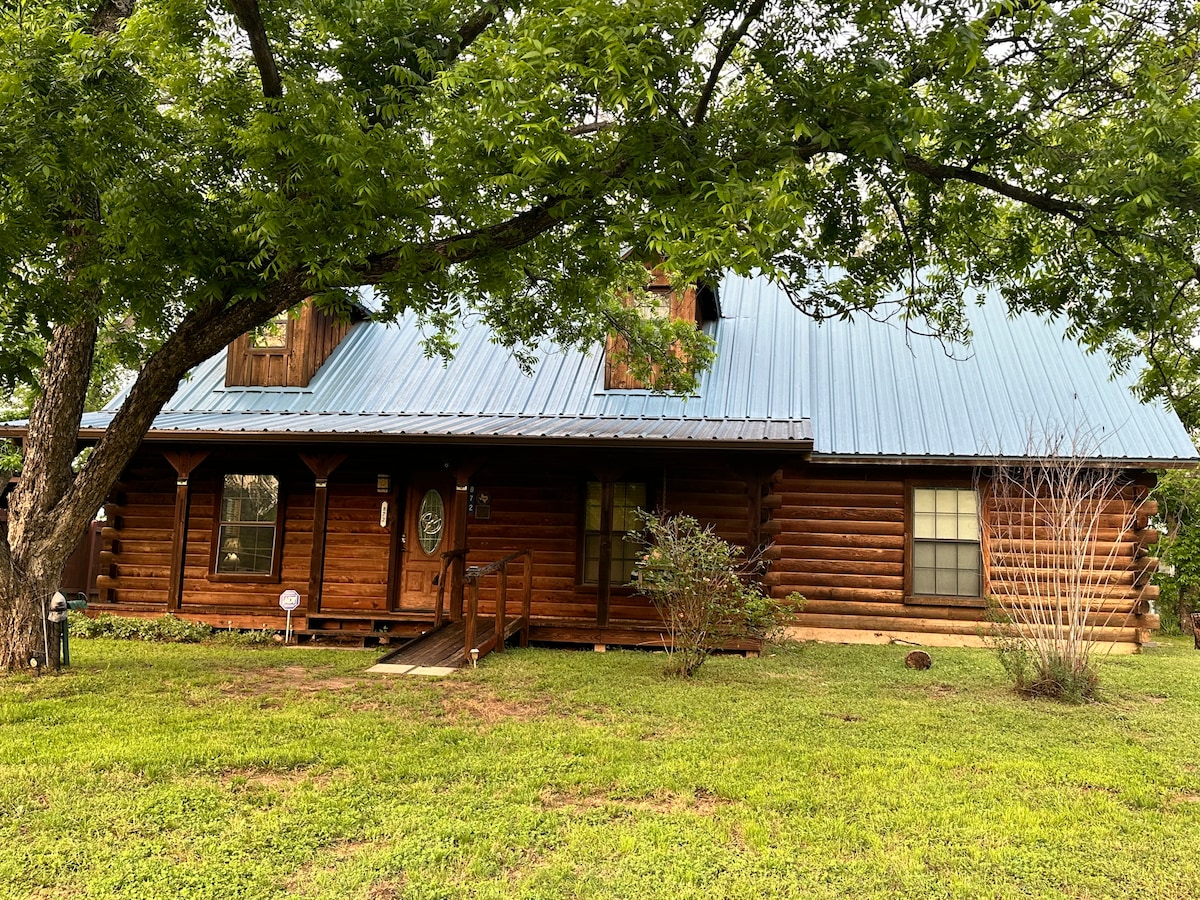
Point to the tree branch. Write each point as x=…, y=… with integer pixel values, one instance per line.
x=591, y=128
x=941, y=173
x=110, y=14
x=473, y=28
x=729, y=41
x=507, y=235
x=203, y=332
x=249, y=17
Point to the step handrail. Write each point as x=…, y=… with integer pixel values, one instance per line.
x=499, y=568
x=447, y=559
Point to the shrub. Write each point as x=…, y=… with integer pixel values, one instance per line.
x=1052, y=532
x=165, y=629
x=1040, y=674
x=701, y=586
x=252, y=638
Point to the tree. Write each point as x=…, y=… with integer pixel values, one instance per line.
x=1178, y=496
x=177, y=172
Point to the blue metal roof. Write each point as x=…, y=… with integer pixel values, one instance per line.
x=859, y=390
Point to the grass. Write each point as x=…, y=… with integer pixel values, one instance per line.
x=203, y=771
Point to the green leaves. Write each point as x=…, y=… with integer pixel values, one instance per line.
x=502, y=162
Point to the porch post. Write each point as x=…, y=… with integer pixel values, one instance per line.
x=322, y=467
x=184, y=462
x=458, y=566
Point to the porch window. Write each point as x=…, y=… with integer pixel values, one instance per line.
x=946, y=558
x=248, y=525
x=628, y=497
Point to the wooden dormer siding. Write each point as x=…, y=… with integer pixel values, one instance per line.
x=682, y=307
x=310, y=338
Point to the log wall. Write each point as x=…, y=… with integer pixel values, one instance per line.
x=840, y=541
x=542, y=512
x=356, y=547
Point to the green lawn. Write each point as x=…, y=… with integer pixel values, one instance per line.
x=817, y=771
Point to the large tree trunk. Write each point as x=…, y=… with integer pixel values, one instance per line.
x=51, y=507
x=41, y=534
x=27, y=582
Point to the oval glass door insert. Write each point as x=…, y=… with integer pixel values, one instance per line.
x=431, y=520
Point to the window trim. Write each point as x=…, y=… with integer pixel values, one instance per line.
x=275, y=575
x=914, y=599
x=592, y=587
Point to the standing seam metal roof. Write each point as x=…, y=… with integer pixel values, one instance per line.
x=859, y=390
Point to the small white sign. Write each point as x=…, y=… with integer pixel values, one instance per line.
x=289, y=600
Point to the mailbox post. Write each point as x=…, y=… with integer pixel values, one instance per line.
x=59, y=605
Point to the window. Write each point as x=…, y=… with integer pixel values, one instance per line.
x=272, y=335
x=628, y=497
x=248, y=525
x=431, y=522
x=946, y=560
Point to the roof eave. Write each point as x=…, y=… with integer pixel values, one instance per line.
x=1123, y=462
x=792, y=445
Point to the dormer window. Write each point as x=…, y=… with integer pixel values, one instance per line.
x=273, y=335
x=286, y=351
x=694, y=304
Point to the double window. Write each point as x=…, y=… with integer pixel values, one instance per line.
x=946, y=557
x=628, y=498
x=248, y=526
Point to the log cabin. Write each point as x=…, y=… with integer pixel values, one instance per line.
x=340, y=461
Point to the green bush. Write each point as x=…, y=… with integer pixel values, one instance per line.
x=1036, y=671
x=252, y=638
x=703, y=590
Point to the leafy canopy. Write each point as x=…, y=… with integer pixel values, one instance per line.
x=518, y=161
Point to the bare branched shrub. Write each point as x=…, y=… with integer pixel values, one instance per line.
x=1058, y=534
x=703, y=588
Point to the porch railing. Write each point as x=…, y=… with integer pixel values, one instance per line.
x=448, y=559
x=504, y=628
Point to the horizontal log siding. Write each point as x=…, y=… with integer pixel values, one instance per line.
x=541, y=511
x=139, y=550
x=200, y=592
x=537, y=510
x=840, y=543
x=137, y=540
x=1116, y=572
x=709, y=493
x=356, y=548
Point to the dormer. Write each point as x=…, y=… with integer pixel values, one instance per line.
x=695, y=304
x=285, y=352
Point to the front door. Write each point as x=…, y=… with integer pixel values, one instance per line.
x=428, y=533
